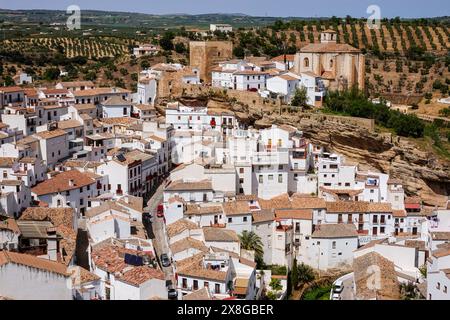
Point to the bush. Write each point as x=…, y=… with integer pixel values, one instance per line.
x=278, y=270
x=354, y=103
x=51, y=74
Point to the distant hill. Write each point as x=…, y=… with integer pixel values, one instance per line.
x=132, y=19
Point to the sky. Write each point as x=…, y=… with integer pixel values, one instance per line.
x=279, y=8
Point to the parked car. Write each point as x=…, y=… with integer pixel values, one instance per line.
x=336, y=296
x=160, y=211
x=338, y=287
x=165, y=261
x=172, y=293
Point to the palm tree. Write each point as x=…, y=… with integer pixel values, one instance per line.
x=251, y=241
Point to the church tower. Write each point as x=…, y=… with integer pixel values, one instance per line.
x=328, y=36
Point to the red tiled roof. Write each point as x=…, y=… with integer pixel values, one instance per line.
x=61, y=182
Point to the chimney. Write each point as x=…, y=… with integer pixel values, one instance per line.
x=52, y=244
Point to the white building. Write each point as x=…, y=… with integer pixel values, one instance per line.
x=220, y=27
x=332, y=246
x=66, y=189
x=285, y=85
x=438, y=275
x=46, y=280
x=146, y=49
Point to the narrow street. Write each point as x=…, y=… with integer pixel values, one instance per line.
x=347, y=292
x=160, y=241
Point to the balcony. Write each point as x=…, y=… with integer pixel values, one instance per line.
x=270, y=158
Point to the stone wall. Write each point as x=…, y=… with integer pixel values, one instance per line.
x=205, y=55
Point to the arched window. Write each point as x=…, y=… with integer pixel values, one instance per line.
x=306, y=62
x=331, y=63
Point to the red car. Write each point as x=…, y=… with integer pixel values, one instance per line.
x=160, y=211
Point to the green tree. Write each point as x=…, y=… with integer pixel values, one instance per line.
x=180, y=47
x=123, y=71
x=300, y=98
x=145, y=64
x=8, y=81
x=275, y=284
x=239, y=52
x=251, y=241
x=166, y=42
x=305, y=273
x=51, y=74
x=294, y=273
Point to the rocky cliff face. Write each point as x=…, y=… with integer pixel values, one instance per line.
x=422, y=173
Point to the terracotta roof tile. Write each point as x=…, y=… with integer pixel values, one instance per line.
x=33, y=262
x=301, y=214
x=233, y=208
x=139, y=275
x=340, y=230
x=195, y=209
x=220, y=235
x=263, y=216
x=187, y=243
x=180, y=226
x=61, y=183
x=329, y=47
x=9, y=224
x=179, y=185
x=50, y=134
x=57, y=216
x=389, y=286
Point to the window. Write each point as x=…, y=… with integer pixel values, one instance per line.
x=241, y=170
x=261, y=179
x=244, y=219
x=306, y=62
x=331, y=63
x=333, y=244
x=230, y=220
x=195, y=285
x=382, y=230
x=124, y=111
x=241, y=180
x=217, y=288
x=5, y=174
x=445, y=289
x=438, y=286
x=206, y=284
x=270, y=177
x=280, y=178
x=280, y=167
x=184, y=283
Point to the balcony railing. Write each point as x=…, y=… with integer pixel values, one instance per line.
x=267, y=158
